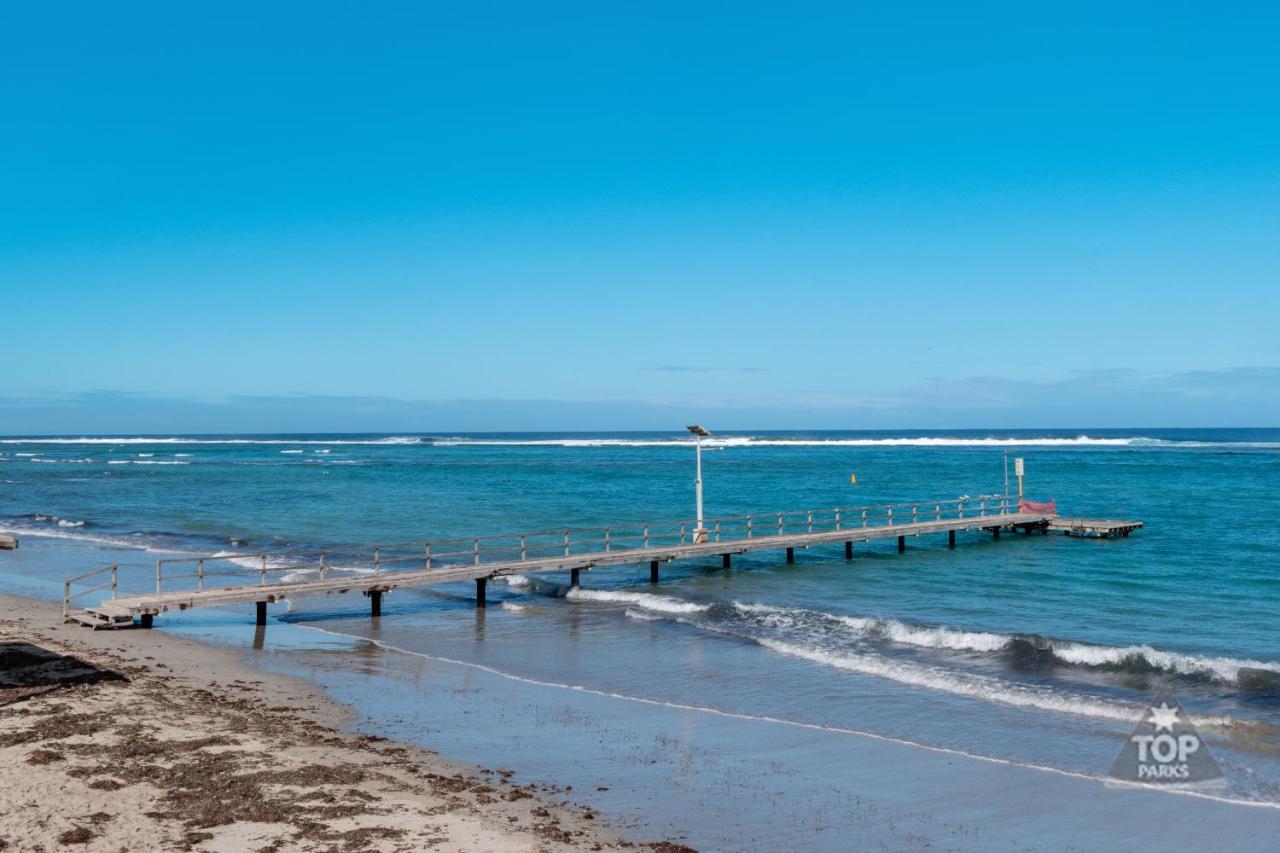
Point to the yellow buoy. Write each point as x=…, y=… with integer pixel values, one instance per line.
x=853, y=479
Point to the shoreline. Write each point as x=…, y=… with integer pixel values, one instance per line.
x=204, y=751
x=668, y=770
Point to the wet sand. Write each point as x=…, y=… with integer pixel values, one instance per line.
x=139, y=740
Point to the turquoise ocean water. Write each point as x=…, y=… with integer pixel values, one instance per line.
x=1032, y=650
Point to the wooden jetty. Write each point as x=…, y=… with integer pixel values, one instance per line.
x=264, y=578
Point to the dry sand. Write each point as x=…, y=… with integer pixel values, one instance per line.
x=140, y=740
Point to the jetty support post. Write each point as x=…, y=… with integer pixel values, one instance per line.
x=573, y=577
x=995, y=534
x=848, y=550
x=480, y=585
x=653, y=571
x=791, y=555
x=726, y=561
x=261, y=607
x=146, y=619
x=902, y=544
x=951, y=539
x=375, y=603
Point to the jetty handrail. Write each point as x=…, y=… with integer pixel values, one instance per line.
x=638, y=536
x=1003, y=502
x=68, y=595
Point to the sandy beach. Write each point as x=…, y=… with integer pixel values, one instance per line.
x=132, y=740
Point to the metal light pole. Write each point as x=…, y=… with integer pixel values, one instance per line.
x=700, y=532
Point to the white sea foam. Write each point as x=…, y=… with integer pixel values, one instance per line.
x=253, y=561
x=291, y=451
x=889, y=629
x=642, y=616
x=645, y=600
x=516, y=580
x=88, y=538
x=66, y=522
x=145, y=462
x=1226, y=670
x=970, y=685
x=1222, y=669
x=146, y=454
x=513, y=607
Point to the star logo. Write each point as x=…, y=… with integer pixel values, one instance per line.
x=1165, y=750
x=1164, y=718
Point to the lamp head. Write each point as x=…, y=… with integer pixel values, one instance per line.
x=698, y=431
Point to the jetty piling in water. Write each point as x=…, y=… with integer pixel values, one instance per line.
x=482, y=558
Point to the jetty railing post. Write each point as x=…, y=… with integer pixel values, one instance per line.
x=199, y=578
x=682, y=526
x=427, y=554
x=115, y=578
x=475, y=550
x=262, y=575
x=322, y=566
x=938, y=512
x=810, y=519
x=606, y=540
x=982, y=508
x=890, y=523
x=864, y=518
x=66, y=598
x=837, y=518
x=960, y=508
x=748, y=527
x=717, y=530
x=524, y=553
x=914, y=516
x=159, y=574
x=377, y=560
x=646, y=536
x=779, y=524
x=566, y=543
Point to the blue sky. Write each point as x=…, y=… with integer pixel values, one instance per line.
x=517, y=216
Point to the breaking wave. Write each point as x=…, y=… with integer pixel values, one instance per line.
x=1031, y=648
x=643, y=600
x=145, y=462
x=74, y=533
